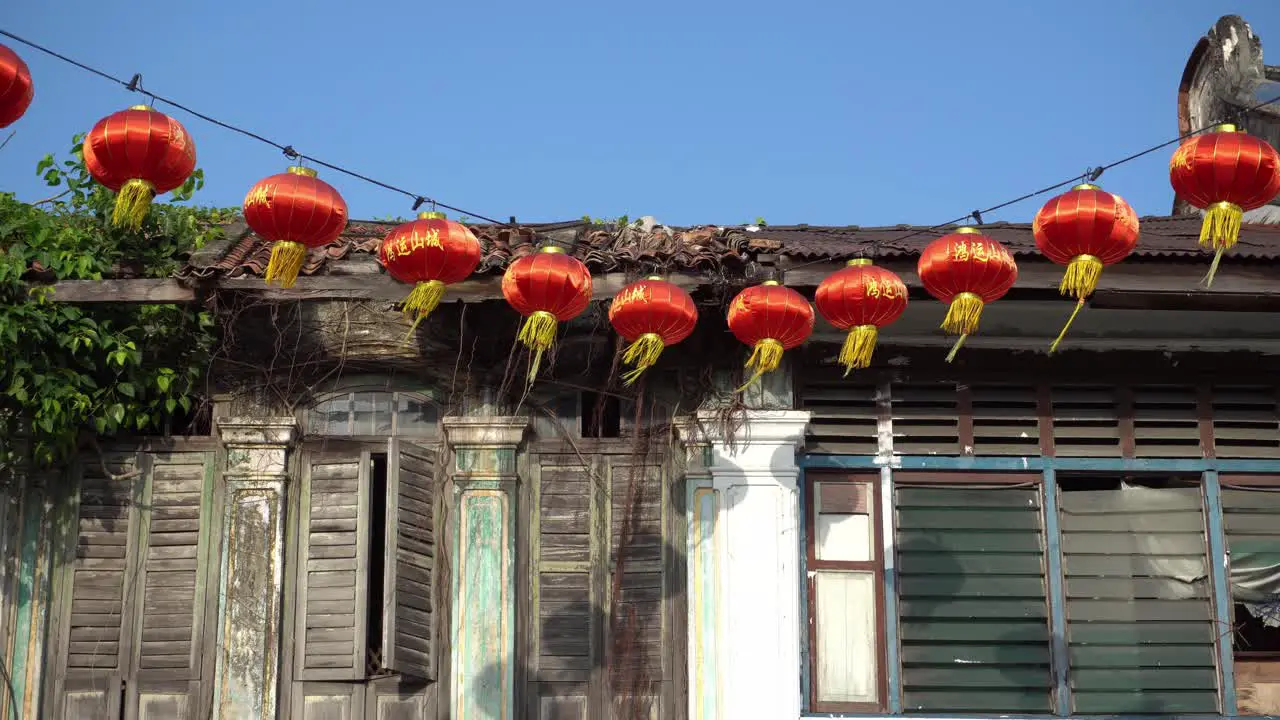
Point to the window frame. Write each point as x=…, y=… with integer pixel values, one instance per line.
x=875, y=566
x=421, y=395
x=1243, y=481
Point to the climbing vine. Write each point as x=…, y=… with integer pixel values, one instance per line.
x=103, y=368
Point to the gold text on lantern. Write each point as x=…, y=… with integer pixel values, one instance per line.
x=979, y=252
x=960, y=251
x=637, y=294
x=1182, y=157
x=260, y=195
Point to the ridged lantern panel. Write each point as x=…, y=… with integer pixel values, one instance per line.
x=139, y=153
x=966, y=270
x=547, y=287
x=295, y=210
x=769, y=318
x=16, y=88
x=860, y=299
x=651, y=314
x=1224, y=173
x=429, y=253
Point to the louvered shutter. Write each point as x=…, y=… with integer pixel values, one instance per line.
x=409, y=619
x=845, y=414
x=566, y=653
x=1006, y=420
x=1140, y=628
x=172, y=600
x=925, y=419
x=637, y=587
x=333, y=551
x=96, y=630
x=1166, y=421
x=1246, y=423
x=1086, y=421
x=972, y=599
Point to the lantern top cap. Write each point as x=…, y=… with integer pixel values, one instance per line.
x=858, y=262
x=770, y=283
x=146, y=108
x=653, y=277
x=967, y=230
x=1086, y=186
x=303, y=171
x=430, y=215
x=551, y=250
x=1226, y=128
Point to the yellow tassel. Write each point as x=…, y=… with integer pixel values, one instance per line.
x=642, y=353
x=951, y=356
x=538, y=334
x=424, y=298
x=766, y=356
x=1081, y=278
x=132, y=203
x=1054, y=347
x=963, y=314
x=859, y=344
x=286, y=260
x=1219, y=232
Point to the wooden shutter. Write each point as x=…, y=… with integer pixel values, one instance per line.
x=1166, y=421
x=1006, y=420
x=925, y=420
x=1140, y=627
x=566, y=652
x=1245, y=422
x=172, y=598
x=408, y=623
x=11, y=492
x=1086, y=421
x=845, y=414
x=972, y=599
x=333, y=534
x=637, y=677
x=96, y=631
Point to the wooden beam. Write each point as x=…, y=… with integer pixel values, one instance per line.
x=146, y=291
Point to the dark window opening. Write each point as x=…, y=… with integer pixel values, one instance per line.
x=377, y=555
x=601, y=415
x=1087, y=483
x=1252, y=633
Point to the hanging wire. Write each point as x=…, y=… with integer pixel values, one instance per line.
x=1090, y=174
x=134, y=84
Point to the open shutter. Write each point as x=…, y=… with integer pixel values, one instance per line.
x=174, y=549
x=333, y=529
x=96, y=631
x=408, y=615
x=565, y=652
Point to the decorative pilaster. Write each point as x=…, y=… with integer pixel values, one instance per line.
x=743, y=559
x=251, y=584
x=483, y=586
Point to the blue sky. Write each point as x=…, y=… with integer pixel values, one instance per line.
x=838, y=112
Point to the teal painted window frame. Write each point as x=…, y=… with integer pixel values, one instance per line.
x=1208, y=469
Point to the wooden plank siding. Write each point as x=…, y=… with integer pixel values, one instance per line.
x=136, y=602
x=1065, y=419
x=604, y=588
x=972, y=596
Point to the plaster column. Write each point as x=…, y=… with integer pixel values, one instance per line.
x=483, y=563
x=743, y=559
x=250, y=588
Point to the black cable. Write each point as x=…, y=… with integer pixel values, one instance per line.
x=135, y=85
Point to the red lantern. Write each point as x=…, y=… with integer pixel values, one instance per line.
x=547, y=288
x=295, y=210
x=770, y=319
x=16, y=89
x=860, y=299
x=1224, y=172
x=139, y=153
x=651, y=314
x=1086, y=229
x=430, y=252
x=966, y=270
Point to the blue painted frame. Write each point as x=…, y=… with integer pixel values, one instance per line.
x=1048, y=467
